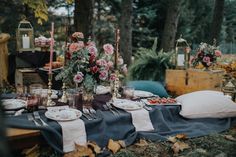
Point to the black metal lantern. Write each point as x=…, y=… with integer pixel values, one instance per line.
x=25, y=36
x=182, y=54
x=229, y=90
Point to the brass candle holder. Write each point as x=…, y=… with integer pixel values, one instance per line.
x=64, y=97
x=49, y=101
x=116, y=86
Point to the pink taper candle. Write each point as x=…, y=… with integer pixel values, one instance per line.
x=51, y=49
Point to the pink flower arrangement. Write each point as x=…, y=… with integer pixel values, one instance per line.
x=87, y=67
x=206, y=55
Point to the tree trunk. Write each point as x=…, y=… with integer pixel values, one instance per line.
x=126, y=31
x=83, y=17
x=217, y=20
x=171, y=23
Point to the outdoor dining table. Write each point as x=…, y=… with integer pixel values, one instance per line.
x=166, y=121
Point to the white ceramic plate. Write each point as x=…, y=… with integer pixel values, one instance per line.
x=11, y=104
x=43, y=69
x=144, y=94
x=128, y=105
x=63, y=115
x=165, y=104
x=44, y=91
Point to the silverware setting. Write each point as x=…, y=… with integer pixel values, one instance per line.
x=37, y=116
x=31, y=118
x=108, y=106
x=89, y=113
x=148, y=108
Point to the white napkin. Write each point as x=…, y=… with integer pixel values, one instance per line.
x=141, y=120
x=73, y=132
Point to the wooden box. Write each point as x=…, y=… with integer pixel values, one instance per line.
x=25, y=77
x=185, y=81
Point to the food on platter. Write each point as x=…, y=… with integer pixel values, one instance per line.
x=157, y=100
x=55, y=65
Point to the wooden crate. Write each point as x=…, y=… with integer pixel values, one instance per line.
x=185, y=81
x=25, y=77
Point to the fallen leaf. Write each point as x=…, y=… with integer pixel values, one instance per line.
x=122, y=143
x=80, y=151
x=114, y=146
x=172, y=139
x=31, y=152
x=229, y=137
x=95, y=147
x=181, y=136
x=141, y=143
x=179, y=146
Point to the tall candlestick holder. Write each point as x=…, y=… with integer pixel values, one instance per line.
x=116, y=86
x=64, y=97
x=49, y=101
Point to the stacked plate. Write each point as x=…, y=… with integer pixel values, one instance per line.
x=13, y=104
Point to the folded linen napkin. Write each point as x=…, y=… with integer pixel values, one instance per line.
x=73, y=132
x=140, y=117
x=141, y=120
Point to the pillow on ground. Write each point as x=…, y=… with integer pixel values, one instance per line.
x=206, y=104
x=154, y=87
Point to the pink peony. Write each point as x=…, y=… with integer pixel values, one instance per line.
x=103, y=75
x=79, y=77
x=206, y=59
x=78, y=35
x=218, y=53
x=108, y=48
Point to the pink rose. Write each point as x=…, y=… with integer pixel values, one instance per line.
x=120, y=61
x=103, y=75
x=78, y=35
x=76, y=46
x=206, y=59
x=79, y=77
x=110, y=64
x=91, y=44
x=218, y=53
x=94, y=69
x=101, y=62
x=108, y=49
x=113, y=77
x=92, y=50
x=92, y=58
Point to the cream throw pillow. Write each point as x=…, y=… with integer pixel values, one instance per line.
x=206, y=104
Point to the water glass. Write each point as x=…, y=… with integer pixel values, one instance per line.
x=128, y=92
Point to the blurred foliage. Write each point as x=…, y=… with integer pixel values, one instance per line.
x=150, y=64
x=148, y=20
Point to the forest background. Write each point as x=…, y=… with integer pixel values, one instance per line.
x=140, y=21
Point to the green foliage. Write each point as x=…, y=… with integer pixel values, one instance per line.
x=40, y=9
x=150, y=65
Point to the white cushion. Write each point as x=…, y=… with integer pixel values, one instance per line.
x=206, y=104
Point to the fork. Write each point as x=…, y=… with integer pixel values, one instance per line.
x=31, y=118
x=113, y=108
x=108, y=108
x=86, y=114
x=37, y=116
